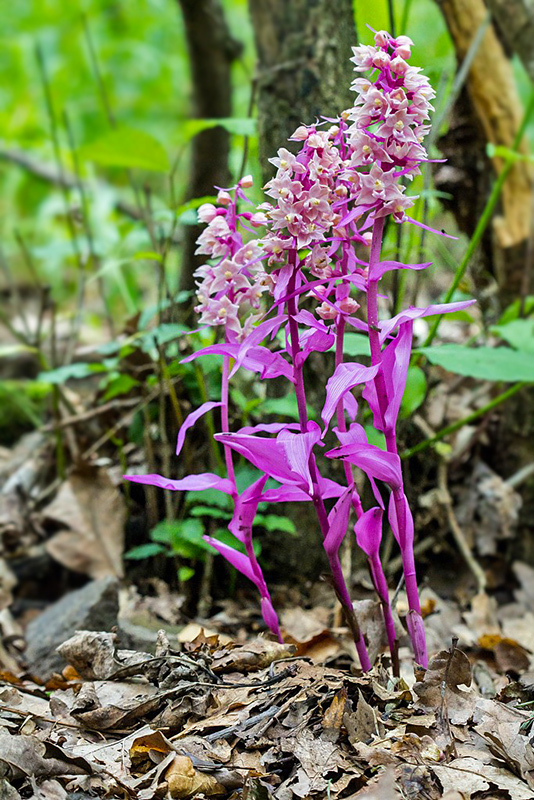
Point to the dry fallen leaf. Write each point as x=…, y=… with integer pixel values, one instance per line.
x=91, y=511
x=185, y=781
x=255, y=655
x=439, y=689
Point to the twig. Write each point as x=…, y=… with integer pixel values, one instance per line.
x=62, y=179
x=458, y=535
x=455, y=426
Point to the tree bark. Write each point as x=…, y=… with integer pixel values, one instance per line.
x=212, y=49
x=497, y=112
x=304, y=68
x=515, y=22
x=491, y=107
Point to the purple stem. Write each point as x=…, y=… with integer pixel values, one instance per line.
x=408, y=562
x=225, y=428
x=339, y=584
x=375, y=565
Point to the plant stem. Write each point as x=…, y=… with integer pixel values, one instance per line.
x=455, y=426
x=225, y=427
x=339, y=584
x=375, y=566
x=399, y=498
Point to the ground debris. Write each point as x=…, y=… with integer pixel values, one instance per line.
x=252, y=720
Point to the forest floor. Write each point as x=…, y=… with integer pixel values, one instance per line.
x=146, y=702
x=212, y=709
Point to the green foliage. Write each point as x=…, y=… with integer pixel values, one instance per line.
x=414, y=393
x=518, y=333
x=22, y=406
x=483, y=363
x=127, y=147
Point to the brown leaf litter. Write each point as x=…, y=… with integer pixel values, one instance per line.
x=257, y=721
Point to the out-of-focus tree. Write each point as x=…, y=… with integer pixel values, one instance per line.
x=212, y=50
x=304, y=68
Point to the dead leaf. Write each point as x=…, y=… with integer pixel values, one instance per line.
x=185, y=781
x=446, y=672
x=255, y=655
x=146, y=751
x=469, y=775
x=362, y=725
x=91, y=511
x=25, y=756
x=333, y=716
x=383, y=787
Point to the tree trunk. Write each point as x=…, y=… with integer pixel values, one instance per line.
x=304, y=68
x=212, y=49
x=514, y=20
x=497, y=113
x=492, y=109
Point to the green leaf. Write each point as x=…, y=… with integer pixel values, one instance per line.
x=224, y=535
x=7, y=350
x=375, y=437
x=122, y=384
x=285, y=407
x=500, y=151
x=127, y=147
x=147, y=550
x=274, y=522
x=209, y=511
x=483, y=363
x=519, y=333
x=241, y=126
x=148, y=256
x=162, y=334
x=414, y=393
x=71, y=371
x=523, y=307
x=185, y=574
x=356, y=344
x=210, y=497
x=184, y=537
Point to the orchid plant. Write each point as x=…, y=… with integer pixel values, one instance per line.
x=328, y=204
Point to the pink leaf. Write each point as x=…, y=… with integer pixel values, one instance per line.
x=191, y=483
x=386, y=266
x=190, y=421
x=236, y=559
x=368, y=530
x=345, y=378
x=387, y=326
x=337, y=523
x=402, y=528
x=246, y=505
x=376, y=463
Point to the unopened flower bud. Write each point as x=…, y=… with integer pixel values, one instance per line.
x=223, y=198
x=382, y=38
x=348, y=305
x=368, y=236
x=301, y=134
x=399, y=66
x=259, y=218
x=326, y=311
x=403, y=51
x=381, y=60
x=206, y=212
x=246, y=181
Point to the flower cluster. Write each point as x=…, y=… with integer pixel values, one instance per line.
x=388, y=124
x=335, y=192
x=229, y=290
